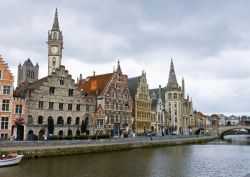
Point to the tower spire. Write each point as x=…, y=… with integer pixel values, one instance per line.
x=118, y=65
x=172, y=81
x=159, y=91
x=56, y=23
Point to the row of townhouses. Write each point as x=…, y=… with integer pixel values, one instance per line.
x=109, y=103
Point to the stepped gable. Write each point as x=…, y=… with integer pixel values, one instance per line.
x=36, y=84
x=6, y=67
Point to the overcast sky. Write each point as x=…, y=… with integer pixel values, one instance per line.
x=209, y=42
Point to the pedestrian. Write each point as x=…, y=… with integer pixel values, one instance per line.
x=151, y=137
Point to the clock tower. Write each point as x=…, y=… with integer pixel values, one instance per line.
x=55, y=46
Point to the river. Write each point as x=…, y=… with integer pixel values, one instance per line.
x=228, y=158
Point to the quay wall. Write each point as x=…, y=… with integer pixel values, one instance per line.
x=43, y=149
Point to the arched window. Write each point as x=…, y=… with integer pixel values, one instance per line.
x=50, y=125
x=86, y=121
x=69, y=132
x=40, y=120
x=69, y=120
x=60, y=133
x=54, y=35
x=60, y=120
x=175, y=95
x=169, y=96
x=30, y=119
x=78, y=132
x=77, y=121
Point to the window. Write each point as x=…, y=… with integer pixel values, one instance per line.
x=60, y=120
x=32, y=74
x=69, y=120
x=77, y=121
x=175, y=95
x=18, y=109
x=6, y=90
x=78, y=106
x=30, y=119
x=60, y=106
x=4, y=136
x=61, y=81
x=71, y=92
x=69, y=107
x=1, y=74
x=54, y=61
x=169, y=96
x=5, y=105
x=4, y=123
x=40, y=105
x=52, y=90
x=40, y=120
x=51, y=105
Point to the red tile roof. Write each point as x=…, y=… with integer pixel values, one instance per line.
x=95, y=84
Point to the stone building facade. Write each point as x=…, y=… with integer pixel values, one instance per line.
x=178, y=107
x=139, y=91
x=55, y=106
x=6, y=99
x=55, y=46
x=27, y=72
x=158, y=114
x=113, y=101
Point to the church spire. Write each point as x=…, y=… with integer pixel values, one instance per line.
x=159, y=91
x=56, y=23
x=172, y=81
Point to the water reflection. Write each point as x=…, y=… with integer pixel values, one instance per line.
x=215, y=160
x=238, y=139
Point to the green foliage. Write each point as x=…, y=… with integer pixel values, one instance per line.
x=69, y=137
x=83, y=137
x=94, y=137
x=53, y=137
x=247, y=122
x=80, y=137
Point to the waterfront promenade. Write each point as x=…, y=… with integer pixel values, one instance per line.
x=68, y=147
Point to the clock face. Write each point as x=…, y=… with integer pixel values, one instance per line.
x=54, y=50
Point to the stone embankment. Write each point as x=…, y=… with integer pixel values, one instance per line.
x=55, y=148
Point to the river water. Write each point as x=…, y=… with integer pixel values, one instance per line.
x=229, y=158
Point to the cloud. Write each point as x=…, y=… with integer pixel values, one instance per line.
x=208, y=40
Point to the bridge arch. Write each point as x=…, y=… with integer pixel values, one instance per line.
x=225, y=130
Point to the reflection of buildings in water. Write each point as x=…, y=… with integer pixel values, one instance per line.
x=238, y=139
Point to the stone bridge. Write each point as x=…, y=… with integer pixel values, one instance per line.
x=220, y=130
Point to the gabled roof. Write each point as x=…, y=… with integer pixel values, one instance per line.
x=155, y=92
x=133, y=84
x=95, y=84
x=28, y=62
